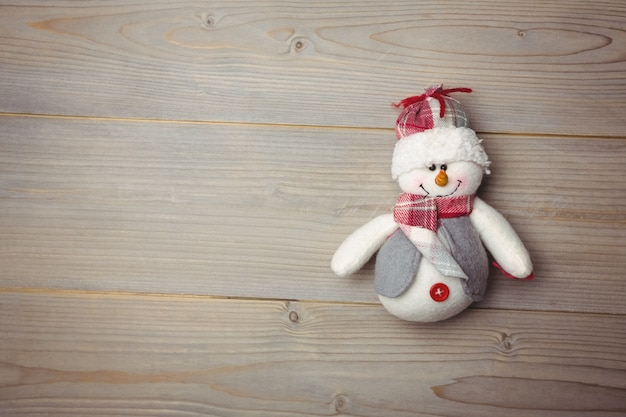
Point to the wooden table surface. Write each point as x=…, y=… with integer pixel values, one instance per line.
x=175, y=177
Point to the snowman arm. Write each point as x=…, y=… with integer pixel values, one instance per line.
x=361, y=244
x=501, y=241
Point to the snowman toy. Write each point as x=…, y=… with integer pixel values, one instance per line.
x=431, y=262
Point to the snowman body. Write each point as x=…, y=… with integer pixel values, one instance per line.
x=409, y=284
x=431, y=262
x=430, y=295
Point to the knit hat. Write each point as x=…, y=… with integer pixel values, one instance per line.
x=432, y=129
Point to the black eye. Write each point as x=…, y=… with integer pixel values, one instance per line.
x=444, y=167
x=432, y=167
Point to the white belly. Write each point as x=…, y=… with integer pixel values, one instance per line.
x=431, y=297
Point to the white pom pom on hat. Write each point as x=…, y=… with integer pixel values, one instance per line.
x=433, y=129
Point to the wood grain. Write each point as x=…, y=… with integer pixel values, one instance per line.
x=175, y=176
x=257, y=211
x=535, y=66
x=98, y=354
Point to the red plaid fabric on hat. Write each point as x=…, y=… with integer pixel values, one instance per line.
x=432, y=109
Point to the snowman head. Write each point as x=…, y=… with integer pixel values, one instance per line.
x=437, y=154
x=443, y=180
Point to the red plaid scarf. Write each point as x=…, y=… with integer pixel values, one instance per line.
x=416, y=210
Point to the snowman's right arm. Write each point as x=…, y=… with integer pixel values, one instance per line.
x=359, y=247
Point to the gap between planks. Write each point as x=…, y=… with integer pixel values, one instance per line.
x=54, y=292
x=289, y=126
x=181, y=296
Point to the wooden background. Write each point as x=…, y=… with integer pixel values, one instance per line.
x=175, y=177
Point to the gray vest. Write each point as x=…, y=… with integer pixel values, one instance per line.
x=398, y=259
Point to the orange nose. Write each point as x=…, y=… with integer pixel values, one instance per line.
x=441, y=179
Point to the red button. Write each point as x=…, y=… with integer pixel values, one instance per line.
x=439, y=292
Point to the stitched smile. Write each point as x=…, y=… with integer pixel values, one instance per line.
x=459, y=182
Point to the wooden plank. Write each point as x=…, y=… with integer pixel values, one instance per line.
x=257, y=211
x=98, y=354
x=536, y=67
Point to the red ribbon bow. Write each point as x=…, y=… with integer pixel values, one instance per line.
x=435, y=92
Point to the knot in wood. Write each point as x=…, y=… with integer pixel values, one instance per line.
x=208, y=20
x=506, y=344
x=299, y=44
x=293, y=316
x=340, y=401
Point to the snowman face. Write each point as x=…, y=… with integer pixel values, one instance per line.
x=442, y=179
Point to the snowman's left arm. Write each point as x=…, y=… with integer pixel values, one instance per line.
x=501, y=240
